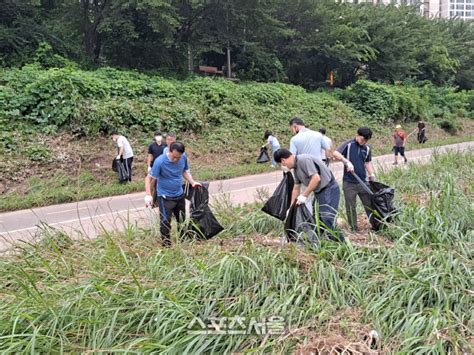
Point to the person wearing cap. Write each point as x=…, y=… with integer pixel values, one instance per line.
x=356, y=156
x=306, y=141
x=124, y=152
x=399, y=142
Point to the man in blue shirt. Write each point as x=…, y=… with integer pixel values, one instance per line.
x=357, y=158
x=306, y=141
x=169, y=169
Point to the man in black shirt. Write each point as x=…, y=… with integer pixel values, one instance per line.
x=155, y=150
x=357, y=158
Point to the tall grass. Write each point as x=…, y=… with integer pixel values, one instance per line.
x=123, y=293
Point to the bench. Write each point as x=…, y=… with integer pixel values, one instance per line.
x=210, y=70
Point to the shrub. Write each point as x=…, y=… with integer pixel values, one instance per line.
x=374, y=99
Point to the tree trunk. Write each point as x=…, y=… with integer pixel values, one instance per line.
x=229, y=71
x=190, y=58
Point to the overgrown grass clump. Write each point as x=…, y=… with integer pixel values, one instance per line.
x=122, y=292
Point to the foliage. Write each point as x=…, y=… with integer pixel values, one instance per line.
x=120, y=293
x=269, y=40
x=91, y=102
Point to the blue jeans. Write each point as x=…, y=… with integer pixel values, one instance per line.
x=328, y=204
x=274, y=149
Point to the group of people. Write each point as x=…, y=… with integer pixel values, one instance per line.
x=167, y=165
x=308, y=156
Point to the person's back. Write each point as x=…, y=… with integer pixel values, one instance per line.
x=307, y=141
x=324, y=157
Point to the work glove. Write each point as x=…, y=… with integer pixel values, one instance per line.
x=349, y=166
x=301, y=200
x=287, y=212
x=148, y=200
x=285, y=169
x=196, y=184
x=149, y=169
x=118, y=157
x=263, y=146
x=372, y=177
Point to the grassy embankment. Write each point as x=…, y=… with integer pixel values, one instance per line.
x=52, y=148
x=412, y=283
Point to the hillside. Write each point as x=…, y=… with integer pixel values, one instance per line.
x=56, y=124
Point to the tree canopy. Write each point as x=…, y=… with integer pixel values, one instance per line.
x=301, y=41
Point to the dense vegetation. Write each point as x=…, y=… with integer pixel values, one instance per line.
x=55, y=124
x=412, y=283
x=92, y=102
x=268, y=40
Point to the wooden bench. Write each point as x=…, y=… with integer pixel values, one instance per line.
x=210, y=70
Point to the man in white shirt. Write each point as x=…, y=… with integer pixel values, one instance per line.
x=306, y=141
x=125, y=152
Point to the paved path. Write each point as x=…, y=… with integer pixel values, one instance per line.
x=89, y=218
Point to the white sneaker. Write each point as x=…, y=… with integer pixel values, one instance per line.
x=272, y=166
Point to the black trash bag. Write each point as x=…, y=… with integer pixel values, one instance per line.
x=203, y=223
x=119, y=167
x=382, y=198
x=280, y=201
x=300, y=226
x=263, y=157
x=189, y=190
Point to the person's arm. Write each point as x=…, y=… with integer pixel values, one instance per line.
x=405, y=138
x=120, y=152
x=293, y=149
x=338, y=156
x=189, y=178
x=394, y=141
x=149, y=159
x=313, y=183
x=370, y=170
x=329, y=154
x=148, y=183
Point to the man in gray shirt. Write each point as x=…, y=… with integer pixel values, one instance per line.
x=313, y=179
x=306, y=141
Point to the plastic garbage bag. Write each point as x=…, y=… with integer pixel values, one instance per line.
x=382, y=198
x=300, y=226
x=280, y=201
x=119, y=167
x=203, y=224
x=263, y=157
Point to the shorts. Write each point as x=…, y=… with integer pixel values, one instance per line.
x=400, y=150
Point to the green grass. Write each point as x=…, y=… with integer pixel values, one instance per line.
x=63, y=189
x=122, y=293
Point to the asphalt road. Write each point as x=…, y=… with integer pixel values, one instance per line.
x=89, y=218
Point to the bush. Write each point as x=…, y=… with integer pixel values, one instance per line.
x=90, y=102
x=376, y=100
